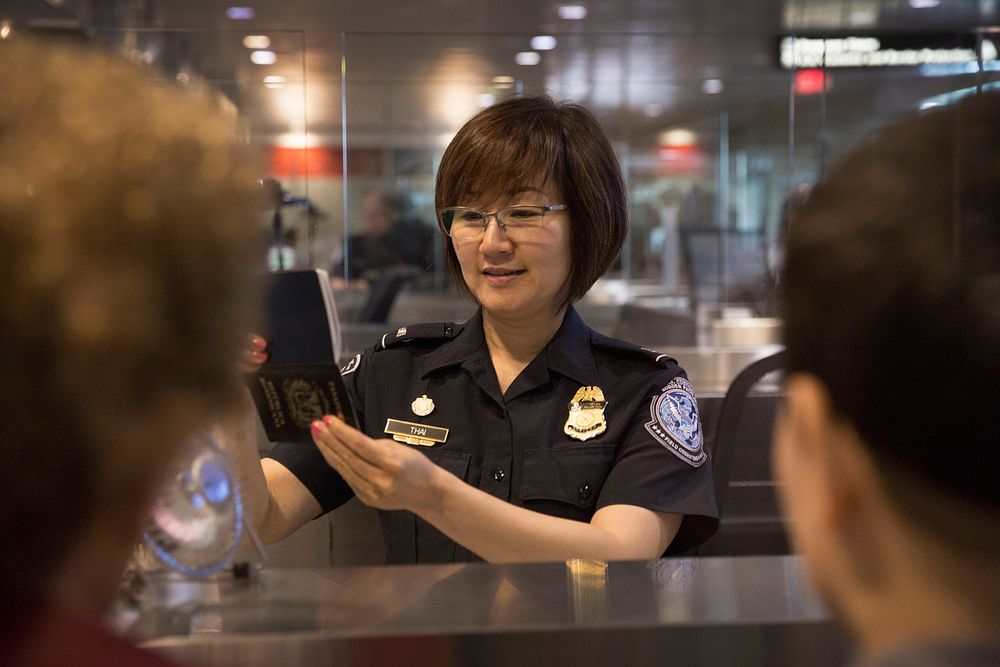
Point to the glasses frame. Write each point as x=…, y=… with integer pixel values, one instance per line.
x=546, y=208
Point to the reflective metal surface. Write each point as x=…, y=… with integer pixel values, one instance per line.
x=738, y=610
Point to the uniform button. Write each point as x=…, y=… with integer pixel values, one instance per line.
x=584, y=491
x=499, y=474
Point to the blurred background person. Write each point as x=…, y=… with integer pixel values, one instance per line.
x=127, y=263
x=281, y=255
x=887, y=448
x=391, y=238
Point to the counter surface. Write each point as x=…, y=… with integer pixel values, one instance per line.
x=754, y=610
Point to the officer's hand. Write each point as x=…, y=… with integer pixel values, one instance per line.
x=382, y=473
x=254, y=355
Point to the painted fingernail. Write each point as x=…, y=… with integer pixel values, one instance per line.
x=317, y=427
x=258, y=342
x=328, y=419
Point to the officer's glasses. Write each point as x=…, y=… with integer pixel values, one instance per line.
x=518, y=222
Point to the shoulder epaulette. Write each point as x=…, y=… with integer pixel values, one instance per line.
x=419, y=332
x=631, y=350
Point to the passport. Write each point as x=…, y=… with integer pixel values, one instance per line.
x=300, y=381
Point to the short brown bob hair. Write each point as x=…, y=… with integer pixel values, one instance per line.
x=513, y=142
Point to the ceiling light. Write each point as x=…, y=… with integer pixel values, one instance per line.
x=572, y=12
x=924, y=4
x=274, y=81
x=503, y=82
x=5, y=29
x=527, y=58
x=711, y=86
x=679, y=137
x=257, y=41
x=543, y=43
x=485, y=100
x=240, y=13
x=263, y=58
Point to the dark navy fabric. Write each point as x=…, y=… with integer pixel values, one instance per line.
x=512, y=445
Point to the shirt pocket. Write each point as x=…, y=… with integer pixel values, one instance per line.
x=566, y=481
x=455, y=462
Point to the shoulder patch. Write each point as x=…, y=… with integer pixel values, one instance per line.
x=633, y=351
x=675, y=423
x=429, y=331
x=351, y=366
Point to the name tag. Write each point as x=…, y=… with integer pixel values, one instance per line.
x=415, y=434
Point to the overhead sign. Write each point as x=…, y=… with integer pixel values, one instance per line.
x=890, y=50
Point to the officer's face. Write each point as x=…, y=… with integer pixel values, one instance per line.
x=519, y=276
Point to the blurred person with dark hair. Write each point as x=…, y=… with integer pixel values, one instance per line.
x=390, y=240
x=528, y=436
x=127, y=268
x=887, y=447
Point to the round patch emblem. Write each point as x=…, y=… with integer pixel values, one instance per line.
x=675, y=423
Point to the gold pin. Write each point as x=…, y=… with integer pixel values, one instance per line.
x=586, y=414
x=422, y=406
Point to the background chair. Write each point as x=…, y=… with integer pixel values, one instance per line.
x=750, y=522
x=654, y=327
x=383, y=292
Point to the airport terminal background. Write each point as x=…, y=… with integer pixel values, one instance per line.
x=722, y=114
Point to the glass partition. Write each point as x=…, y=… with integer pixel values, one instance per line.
x=718, y=134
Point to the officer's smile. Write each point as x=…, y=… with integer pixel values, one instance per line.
x=498, y=277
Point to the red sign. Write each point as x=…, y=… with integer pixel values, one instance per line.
x=811, y=81
x=323, y=162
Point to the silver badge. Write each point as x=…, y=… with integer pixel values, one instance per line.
x=422, y=406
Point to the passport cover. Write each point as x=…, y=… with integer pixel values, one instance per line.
x=300, y=382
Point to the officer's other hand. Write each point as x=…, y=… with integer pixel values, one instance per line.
x=254, y=355
x=383, y=473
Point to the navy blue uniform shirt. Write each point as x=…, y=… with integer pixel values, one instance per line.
x=513, y=445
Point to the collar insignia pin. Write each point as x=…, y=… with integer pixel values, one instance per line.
x=422, y=406
x=586, y=414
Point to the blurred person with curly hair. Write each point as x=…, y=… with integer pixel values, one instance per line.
x=127, y=269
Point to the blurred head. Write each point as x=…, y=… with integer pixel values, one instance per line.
x=533, y=150
x=126, y=261
x=381, y=211
x=888, y=445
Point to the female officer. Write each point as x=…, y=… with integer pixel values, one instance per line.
x=522, y=435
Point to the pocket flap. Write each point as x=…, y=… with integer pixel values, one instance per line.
x=571, y=475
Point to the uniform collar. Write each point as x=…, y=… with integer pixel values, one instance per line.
x=568, y=353
x=469, y=344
